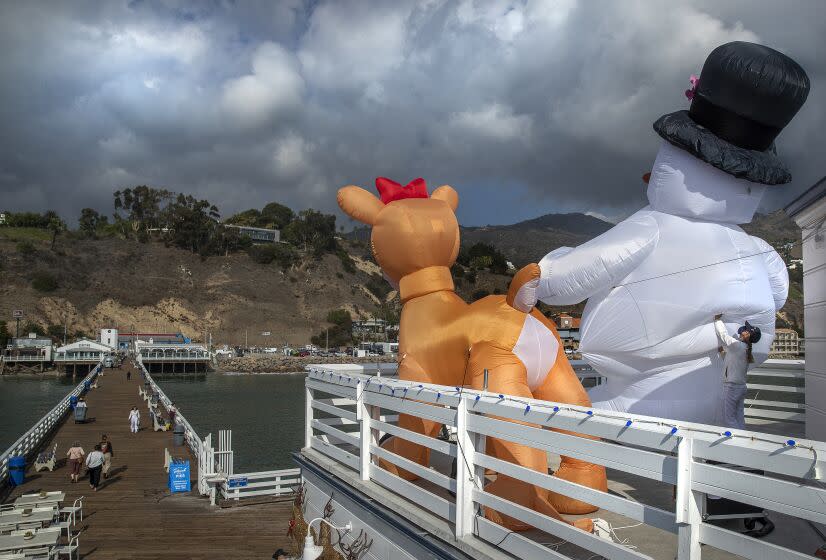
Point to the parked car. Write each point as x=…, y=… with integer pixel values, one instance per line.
x=303, y=354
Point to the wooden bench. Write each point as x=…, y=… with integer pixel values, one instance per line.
x=158, y=422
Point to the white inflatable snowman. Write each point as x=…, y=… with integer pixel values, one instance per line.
x=655, y=280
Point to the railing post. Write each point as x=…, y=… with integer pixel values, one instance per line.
x=689, y=503
x=465, y=470
x=308, y=416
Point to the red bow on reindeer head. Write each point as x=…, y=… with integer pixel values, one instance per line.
x=391, y=190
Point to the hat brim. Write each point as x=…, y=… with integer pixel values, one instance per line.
x=758, y=167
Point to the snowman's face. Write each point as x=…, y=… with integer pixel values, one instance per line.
x=683, y=185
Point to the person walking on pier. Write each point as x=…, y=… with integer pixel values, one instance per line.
x=75, y=455
x=106, y=448
x=128, y=374
x=134, y=419
x=94, y=462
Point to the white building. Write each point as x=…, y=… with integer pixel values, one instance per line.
x=109, y=337
x=786, y=344
x=809, y=211
x=84, y=351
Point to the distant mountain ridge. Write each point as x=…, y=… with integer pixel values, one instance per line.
x=574, y=223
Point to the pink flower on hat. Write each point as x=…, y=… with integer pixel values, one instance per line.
x=695, y=82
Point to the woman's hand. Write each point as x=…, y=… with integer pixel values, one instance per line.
x=718, y=316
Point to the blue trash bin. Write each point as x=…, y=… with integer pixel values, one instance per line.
x=17, y=469
x=72, y=402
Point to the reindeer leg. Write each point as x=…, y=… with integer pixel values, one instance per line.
x=562, y=385
x=410, y=370
x=507, y=376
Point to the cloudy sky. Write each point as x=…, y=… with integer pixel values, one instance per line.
x=526, y=107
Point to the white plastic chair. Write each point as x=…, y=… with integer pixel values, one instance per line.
x=72, y=510
x=43, y=553
x=68, y=549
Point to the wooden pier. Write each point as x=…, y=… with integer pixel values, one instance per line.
x=133, y=515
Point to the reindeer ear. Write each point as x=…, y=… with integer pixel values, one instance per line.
x=446, y=193
x=359, y=204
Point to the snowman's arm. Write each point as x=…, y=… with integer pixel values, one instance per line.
x=572, y=275
x=778, y=273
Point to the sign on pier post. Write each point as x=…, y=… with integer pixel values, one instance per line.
x=237, y=482
x=179, y=476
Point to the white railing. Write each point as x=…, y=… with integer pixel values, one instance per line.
x=777, y=392
x=216, y=467
x=190, y=435
x=265, y=483
x=698, y=459
x=25, y=358
x=34, y=437
x=77, y=357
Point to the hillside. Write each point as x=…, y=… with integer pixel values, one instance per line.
x=527, y=241
x=151, y=287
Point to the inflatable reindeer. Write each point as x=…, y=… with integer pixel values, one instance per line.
x=445, y=341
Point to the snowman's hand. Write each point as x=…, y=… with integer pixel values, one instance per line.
x=522, y=291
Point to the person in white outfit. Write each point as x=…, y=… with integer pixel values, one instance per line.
x=736, y=359
x=134, y=419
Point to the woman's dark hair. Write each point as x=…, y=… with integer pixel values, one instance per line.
x=748, y=352
x=97, y=447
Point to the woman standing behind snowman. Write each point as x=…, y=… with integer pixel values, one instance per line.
x=736, y=359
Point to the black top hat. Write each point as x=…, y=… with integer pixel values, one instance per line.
x=745, y=96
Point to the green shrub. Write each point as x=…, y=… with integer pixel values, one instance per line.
x=281, y=254
x=346, y=261
x=32, y=327
x=479, y=294
x=26, y=248
x=339, y=317
x=44, y=282
x=378, y=286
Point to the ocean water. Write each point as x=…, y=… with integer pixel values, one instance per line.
x=264, y=412
x=24, y=401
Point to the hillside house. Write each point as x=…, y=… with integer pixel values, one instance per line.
x=568, y=329
x=258, y=235
x=786, y=344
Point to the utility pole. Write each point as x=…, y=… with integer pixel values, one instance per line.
x=246, y=339
x=327, y=336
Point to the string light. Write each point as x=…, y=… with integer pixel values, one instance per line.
x=555, y=408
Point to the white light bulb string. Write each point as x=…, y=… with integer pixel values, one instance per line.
x=554, y=408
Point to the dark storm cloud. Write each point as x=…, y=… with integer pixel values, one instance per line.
x=525, y=107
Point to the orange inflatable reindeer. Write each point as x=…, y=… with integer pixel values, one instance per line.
x=443, y=340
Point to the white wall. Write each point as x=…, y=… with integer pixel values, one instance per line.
x=382, y=547
x=814, y=316
x=109, y=337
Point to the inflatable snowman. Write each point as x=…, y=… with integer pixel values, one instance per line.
x=655, y=281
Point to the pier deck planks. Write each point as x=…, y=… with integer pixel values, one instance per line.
x=133, y=514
